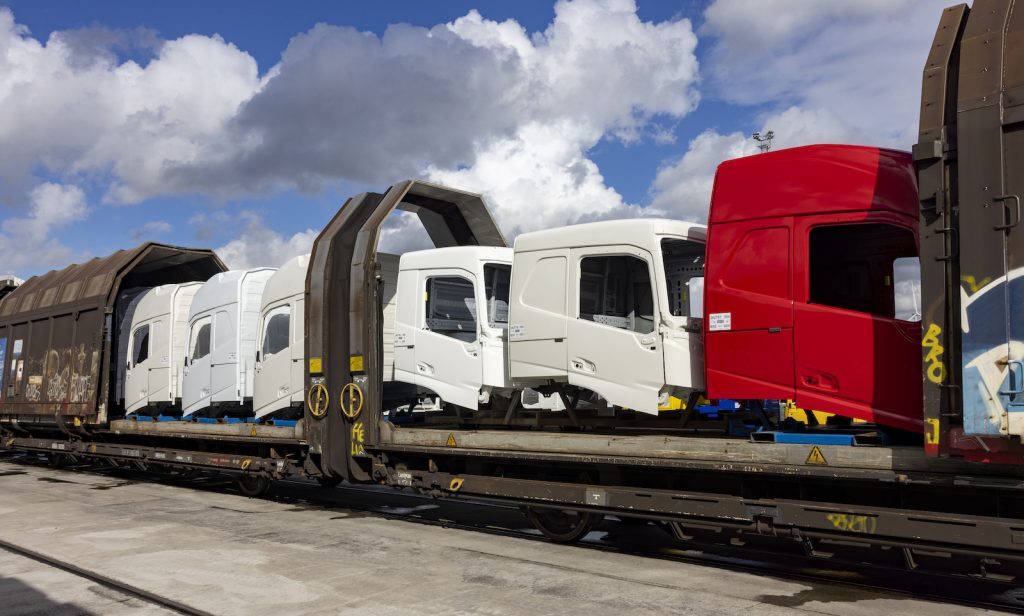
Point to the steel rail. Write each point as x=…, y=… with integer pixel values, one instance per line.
x=103, y=580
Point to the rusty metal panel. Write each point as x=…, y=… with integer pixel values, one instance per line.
x=990, y=235
x=935, y=156
x=343, y=321
x=58, y=351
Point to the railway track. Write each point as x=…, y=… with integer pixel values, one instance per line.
x=105, y=581
x=627, y=537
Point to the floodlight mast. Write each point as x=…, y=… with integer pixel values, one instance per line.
x=764, y=142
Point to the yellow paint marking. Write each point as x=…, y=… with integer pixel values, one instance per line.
x=865, y=524
x=316, y=365
x=455, y=484
x=253, y=431
x=816, y=457
x=318, y=399
x=351, y=400
x=355, y=363
x=451, y=441
x=973, y=284
x=936, y=370
x=931, y=431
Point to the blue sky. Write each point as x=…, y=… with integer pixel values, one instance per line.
x=227, y=124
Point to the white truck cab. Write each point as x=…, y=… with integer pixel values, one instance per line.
x=280, y=353
x=609, y=307
x=156, y=347
x=221, y=351
x=451, y=322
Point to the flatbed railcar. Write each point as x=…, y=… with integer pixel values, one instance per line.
x=943, y=486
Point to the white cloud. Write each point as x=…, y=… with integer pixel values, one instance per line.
x=469, y=100
x=683, y=189
x=27, y=242
x=860, y=61
x=77, y=111
x=150, y=230
x=260, y=246
x=538, y=179
x=843, y=71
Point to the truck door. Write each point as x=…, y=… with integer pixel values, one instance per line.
x=447, y=345
x=136, y=384
x=857, y=339
x=297, y=351
x=159, y=362
x=274, y=368
x=198, y=367
x=226, y=383
x=613, y=340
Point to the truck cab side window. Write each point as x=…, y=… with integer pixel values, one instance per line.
x=683, y=261
x=140, y=345
x=616, y=291
x=497, y=280
x=275, y=331
x=200, y=339
x=451, y=307
x=852, y=266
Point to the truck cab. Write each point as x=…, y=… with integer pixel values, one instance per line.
x=804, y=254
x=451, y=322
x=156, y=348
x=609, y=307
x=221, y=352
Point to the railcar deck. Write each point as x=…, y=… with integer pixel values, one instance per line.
x=720, y=453
x=241, y=431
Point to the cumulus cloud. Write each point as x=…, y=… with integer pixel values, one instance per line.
x=683, y=189
x=844, y=71
x=260, y=246
x=478, y=102
x=859, y=61
x=150, y=230
x=28, y=242
x=72, y=109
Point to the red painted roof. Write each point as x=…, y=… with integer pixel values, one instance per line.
x=814, y=179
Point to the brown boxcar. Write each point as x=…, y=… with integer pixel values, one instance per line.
x=59, y=331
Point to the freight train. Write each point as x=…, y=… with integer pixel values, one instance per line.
x=569, y=373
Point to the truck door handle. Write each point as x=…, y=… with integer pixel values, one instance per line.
x=820, y=380
x=774, y=330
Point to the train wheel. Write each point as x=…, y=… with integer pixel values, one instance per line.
x=253, y=485
x=563, y=526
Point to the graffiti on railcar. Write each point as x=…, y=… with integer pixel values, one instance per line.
x=935, y=368
x=69, y=376
x=854, y=523
x=993, y=349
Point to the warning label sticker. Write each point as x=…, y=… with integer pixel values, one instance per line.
x=816, y=457
x=451, y=441
x=517, y=331
x=720, y=321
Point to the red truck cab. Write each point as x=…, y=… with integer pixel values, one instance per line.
x=800, y=298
